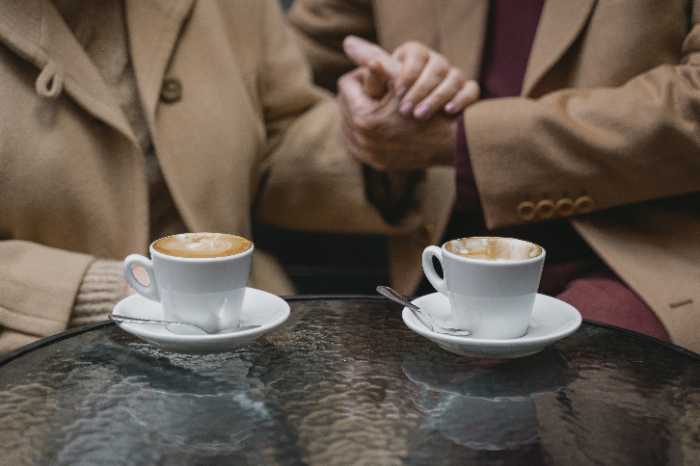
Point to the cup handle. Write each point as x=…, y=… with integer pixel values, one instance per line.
x=429, y=269
x=150, y=291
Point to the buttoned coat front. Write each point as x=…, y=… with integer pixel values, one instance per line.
x=238, y=130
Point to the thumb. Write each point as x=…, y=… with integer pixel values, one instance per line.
x=363, y=53
x=376, y=79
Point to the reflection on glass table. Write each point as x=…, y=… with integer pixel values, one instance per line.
x=345, y=382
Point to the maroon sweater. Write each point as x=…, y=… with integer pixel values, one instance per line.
x=510, y=34
x=573, y=272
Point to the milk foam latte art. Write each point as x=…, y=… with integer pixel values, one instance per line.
x=198, y=278
x=202, y=245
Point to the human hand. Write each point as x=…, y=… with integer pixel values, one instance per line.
x=423, y=79
x=375, y=132
x=428, y=83
x=141, y=276
x=378, y=135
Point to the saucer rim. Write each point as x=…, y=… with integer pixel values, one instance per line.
x=143, y=332
x=524, y=340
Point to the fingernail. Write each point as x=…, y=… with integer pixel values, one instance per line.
x=421, y=111
x=450, y=107
x=405, y=108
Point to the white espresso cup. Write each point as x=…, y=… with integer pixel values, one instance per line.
x=491, y=283
x=204, y=291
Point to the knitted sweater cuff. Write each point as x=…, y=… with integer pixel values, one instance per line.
x=102, y=287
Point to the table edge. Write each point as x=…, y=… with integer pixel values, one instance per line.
x=316, y=297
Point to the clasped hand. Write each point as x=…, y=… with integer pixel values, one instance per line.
x=399, y=111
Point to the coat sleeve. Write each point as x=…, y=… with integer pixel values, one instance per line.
x=581, y=150
x=312, y=183
x=320, y=27
x=38, y=285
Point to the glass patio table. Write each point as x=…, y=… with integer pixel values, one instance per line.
x=345, y=382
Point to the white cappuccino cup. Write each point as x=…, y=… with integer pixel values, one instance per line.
x=198, y=278
x=491, y=283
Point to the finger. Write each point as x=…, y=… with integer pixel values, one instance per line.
x=432, y=75
x=357, y=136
x=413, y=58
x=356, y=149
x=141, y=275
x=349, y=138
x=361, y=147
x=376, y=80
x=351, y=91
x=363, y=52
x=464, y=98
x=358, y=120
x=440, y=96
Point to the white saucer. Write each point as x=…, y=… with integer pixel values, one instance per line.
x=259, y=307
x=552, y=320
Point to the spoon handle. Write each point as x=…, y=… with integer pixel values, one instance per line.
x=394, y=295
x=139, y=320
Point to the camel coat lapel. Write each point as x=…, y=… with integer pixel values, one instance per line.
x=560, y=24
x=462, y=30
x=50, y=43
x=150, y=22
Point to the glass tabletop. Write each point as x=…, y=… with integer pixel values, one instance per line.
x=345, y=382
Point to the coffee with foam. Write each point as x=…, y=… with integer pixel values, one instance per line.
x=202, y=245
x=493, y=248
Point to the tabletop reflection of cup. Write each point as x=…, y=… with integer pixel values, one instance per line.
x=485, y=404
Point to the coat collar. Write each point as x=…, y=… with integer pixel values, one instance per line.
x=462, y=28
x=462, y=25
x=560, y=24
x=154, y=27
x=35, y=30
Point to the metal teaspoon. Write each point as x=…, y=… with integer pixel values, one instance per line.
x=393, y=295
x=138, y=320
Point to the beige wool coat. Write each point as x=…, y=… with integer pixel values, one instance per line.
x=606, y=130
x=238, y=125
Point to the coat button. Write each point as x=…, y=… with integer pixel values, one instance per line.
x=544, y=209
x=526, y=210
x=583, y=205
x=564, y=207
x=171, y=91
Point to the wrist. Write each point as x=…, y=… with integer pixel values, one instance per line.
x=446, y=155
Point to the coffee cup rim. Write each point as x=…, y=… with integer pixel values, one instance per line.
x=200, y=260
x=494, y=263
